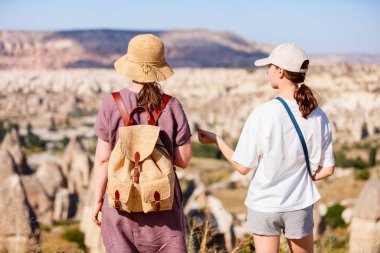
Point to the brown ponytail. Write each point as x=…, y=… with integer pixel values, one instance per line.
x=305, y=100
x=303, y=94
x=150, y=96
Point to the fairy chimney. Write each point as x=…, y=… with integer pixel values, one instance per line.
x=365, y=226
x=12, y=144
x=7, y=165
x=18, y=223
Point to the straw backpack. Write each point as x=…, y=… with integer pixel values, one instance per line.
x=140, y=171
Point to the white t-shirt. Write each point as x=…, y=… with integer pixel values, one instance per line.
x=269, y=143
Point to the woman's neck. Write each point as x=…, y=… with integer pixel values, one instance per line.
x=286, y=90
x=135, y=87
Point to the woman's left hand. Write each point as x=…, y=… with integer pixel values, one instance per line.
x=206, y=137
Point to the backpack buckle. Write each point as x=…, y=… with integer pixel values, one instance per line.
x=136, y=172
x=157, y=202
x=117, y=201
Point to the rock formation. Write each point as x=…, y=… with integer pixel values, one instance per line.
x=61, y=205
x=18, y=223
x=344, y=90
x=365, y=225
x=7, y=165
x=208, y=211
x=50, y=176
x=12, y=144
x=41, y=188
x=93, y=239
x=76, y=167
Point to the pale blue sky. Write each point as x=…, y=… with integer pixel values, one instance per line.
x=319, y=26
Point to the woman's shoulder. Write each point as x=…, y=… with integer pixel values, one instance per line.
x=319, y=113
x=173, y=103
x=128, y=97
x=265, y=109
x=262, y=113
x=107, y=101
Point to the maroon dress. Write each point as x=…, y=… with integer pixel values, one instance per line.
x=163, y=231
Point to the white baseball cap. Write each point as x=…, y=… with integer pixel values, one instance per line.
x=286, y=56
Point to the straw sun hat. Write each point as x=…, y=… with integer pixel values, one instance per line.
x=144, y=61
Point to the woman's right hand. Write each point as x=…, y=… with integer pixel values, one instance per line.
x=206, y=137
x=97, y=208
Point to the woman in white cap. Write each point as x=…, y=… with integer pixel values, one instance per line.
x=162, y=231
x=288, y=142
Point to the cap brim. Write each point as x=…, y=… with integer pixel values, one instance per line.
x=262, y=62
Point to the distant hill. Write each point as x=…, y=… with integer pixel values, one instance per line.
x=100, y=48
x=360, y=58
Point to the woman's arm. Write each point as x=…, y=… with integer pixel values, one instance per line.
x=183, y=155
x=323, y=172
x=206, y=137
x=102, y=154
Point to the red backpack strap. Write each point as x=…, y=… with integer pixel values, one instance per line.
x=120, y=105
x=156, y=113
x=150, y=119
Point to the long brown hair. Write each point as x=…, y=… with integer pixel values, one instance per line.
x=303, y=94
x=150, y=96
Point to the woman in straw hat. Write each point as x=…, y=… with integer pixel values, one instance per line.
x=289, y=150
x=162, y=231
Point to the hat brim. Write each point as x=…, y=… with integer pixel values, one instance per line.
x=135, y=71
x=262, y=62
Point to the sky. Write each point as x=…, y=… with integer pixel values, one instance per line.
x=319, y=26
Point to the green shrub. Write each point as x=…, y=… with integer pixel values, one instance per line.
x=365, y=132
x=3, y=131
x=250, y=70
x=12, y=125
x=4, y=128
x=245, y=245
x=358, y=163
x=31, y=140
x=67, y=122
x=333, y=216
x=342, y=161
x=76, y=113
x=209, y=151
x=333, y=242
x=232, y=185
x=74, y=235
x=363, y=174
x=53, y=125
x=372, y=156
x=65, y=140
x=62, y=223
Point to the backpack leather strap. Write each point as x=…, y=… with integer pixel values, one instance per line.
x=151, y=120
x=120, y=105
x=126, y=117
x=156, y=113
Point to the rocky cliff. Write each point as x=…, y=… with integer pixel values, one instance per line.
x=217, y=99
x=100, y=48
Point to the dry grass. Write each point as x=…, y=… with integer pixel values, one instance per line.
x=334, y=189
x=232, y=199
x=52, y=241
x=208, y=164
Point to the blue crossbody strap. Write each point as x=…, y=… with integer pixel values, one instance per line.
x=300, y=135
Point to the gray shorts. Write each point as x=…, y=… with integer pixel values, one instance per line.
x=295, y=224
